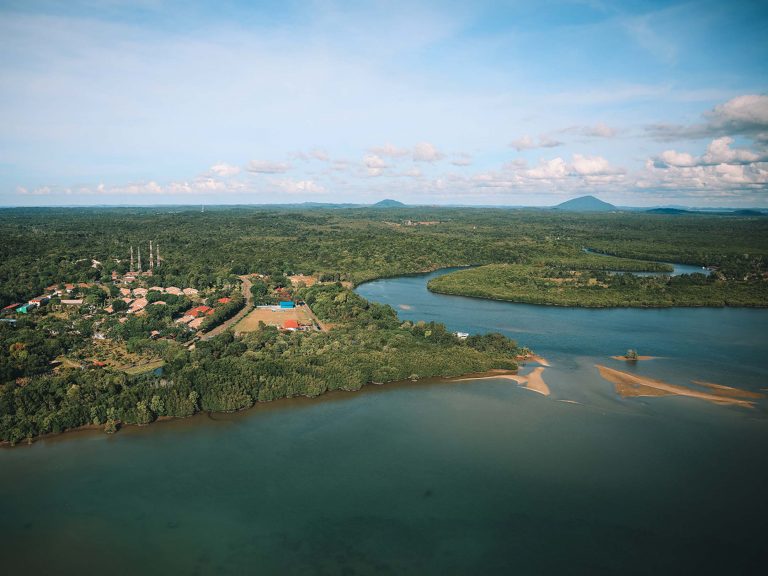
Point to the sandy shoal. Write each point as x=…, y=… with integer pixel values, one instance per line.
x=631, y=385
x=534, y=358
x=730, y=391
x=532, y=381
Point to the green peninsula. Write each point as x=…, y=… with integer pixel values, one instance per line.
x=576, y=284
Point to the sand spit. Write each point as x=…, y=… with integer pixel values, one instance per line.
x=630, y=385
x=405, y=307
x=531, y=381
x=625, y=359
x=534, y=358
x=728, y=391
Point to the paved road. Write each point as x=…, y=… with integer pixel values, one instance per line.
x=246, y=287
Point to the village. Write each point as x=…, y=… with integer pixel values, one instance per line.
x=134, y=305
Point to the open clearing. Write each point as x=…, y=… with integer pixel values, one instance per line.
x=273, y=316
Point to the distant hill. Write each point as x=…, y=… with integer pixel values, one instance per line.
x=388, y=204
x=585, y=204
x=667, y=211
x=747, y=212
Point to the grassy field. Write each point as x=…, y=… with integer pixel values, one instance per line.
x=272, y=316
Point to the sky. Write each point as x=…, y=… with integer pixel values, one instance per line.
x=640, y=103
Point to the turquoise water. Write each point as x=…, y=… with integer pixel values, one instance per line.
x=478, y=477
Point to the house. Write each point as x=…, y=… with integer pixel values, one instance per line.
x=173, y=290
x=200, y=311
x=128, y=278
x=23, y=309
x=196, y=323
x=125, y=292
x=224, y=300
x=77, y=302
x=186, y=319
x=10, y=308
x=158, y=303
x=138, y=304
x=290, y=325
x=157, y=289
x=140, y=292
x=190, y=292
x=38, y=301
x=287, y=305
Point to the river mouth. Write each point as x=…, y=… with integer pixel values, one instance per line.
x=431, y=478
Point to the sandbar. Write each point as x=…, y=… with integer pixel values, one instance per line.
x=729, y=391
x=532, y=381
x=405, y=307
x=631, y=385
x=534, y=358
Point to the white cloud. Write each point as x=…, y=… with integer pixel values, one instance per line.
x=591, y=165
x=745, y=115
x=679, y=159
x=426, y=152
x=599, y=130
x=267, y=167
x=528, y=143
x=551, y=169
x=375, y=165
x=225, y=170
x=719, y=151
x=290, y=186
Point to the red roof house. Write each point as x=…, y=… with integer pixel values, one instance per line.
x=224, y=300
x=200, y=311
x=290, y=325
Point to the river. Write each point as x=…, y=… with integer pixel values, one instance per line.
x=477, y=477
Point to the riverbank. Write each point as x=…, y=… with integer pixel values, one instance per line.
x=566, y=286
x=98, y=429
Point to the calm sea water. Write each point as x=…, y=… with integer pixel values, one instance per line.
x=478, y=477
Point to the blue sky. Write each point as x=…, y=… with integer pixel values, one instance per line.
x=504, y=103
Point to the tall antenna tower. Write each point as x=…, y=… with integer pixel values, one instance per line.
x=157, y=247
x=202, y=207
x=131, y=270
x=151, y=257
x=138, y=249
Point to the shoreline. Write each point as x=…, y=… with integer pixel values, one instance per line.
x=369, y=386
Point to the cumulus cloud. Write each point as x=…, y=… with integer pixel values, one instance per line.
x=290, y=186
x=528, y=143
x=591, y=165
x=745, y=115
x=374, y=164
x=719, y=151
x=224, y=170
x=548, y=170
x=267, y=167
x=426, y=152
x=721, y=169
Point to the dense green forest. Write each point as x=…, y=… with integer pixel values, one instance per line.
x=570, y=284
x=44, y=246
x=66, y=367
